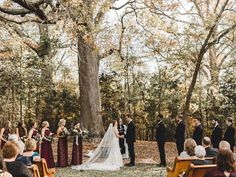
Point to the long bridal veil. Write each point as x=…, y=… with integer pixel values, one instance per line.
x=106, y=156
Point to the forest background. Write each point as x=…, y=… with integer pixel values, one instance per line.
x=92, y=61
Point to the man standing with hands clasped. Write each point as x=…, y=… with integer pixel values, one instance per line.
x=180, y=133
x=130, y=139
x=161, y=138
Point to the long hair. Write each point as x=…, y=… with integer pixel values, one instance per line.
x=7, y=125
x=22, y=130
x=225, y=160
x=2, y=163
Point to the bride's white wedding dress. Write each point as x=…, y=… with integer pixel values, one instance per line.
x=107, y=155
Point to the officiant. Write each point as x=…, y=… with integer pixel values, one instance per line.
x=121, y=129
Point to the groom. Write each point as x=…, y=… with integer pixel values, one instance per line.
x=130, y=139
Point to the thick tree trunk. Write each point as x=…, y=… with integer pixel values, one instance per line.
x=214, y=70
x=214, y=73
x=89, y=88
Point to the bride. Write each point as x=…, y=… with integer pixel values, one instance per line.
x=107, y=155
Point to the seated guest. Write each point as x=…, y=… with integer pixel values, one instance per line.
x=29, y=155
x=18, y=169
x=225, y=165
x=14, y=137
x=189, y=146
x=200, y=153
x=210, y=152
x=224, y=145
x=3, y=169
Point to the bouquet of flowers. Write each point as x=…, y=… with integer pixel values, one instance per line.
x=85, y=133
x=75, y=132
x=37, y=137
x=23, y=138
x=64, y=133
x=50, y=137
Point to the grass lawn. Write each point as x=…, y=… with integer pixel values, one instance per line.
x=140, y=170
x=147, y=158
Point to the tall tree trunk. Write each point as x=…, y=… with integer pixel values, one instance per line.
x=89, y=88
x=191, y=88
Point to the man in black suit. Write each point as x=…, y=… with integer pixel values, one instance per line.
x=160, y=138
x=210, y=152
x=216, y=136
x=130, y=139
x=230, y=133
x=180, y=133
x=198, y=131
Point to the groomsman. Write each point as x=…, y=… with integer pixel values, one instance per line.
x=180, y=133
x=130, y=139
x=230, y=133
x=161, y=138
x=198, y=131
x=216, y=136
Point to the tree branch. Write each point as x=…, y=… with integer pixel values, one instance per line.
x=122, y=6
x=25, y=20
x=33, y=6
x=223, y=33
x=21, y=12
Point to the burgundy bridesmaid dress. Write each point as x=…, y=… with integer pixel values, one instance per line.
x=36, y=136
x=62, y=151
x=5, y=135
x=46, y=150
x=77, y=150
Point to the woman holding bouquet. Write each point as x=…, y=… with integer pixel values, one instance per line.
x=5, y=132
x=21, y=131
x=33, y=133
x=62, y=146
x=77, y=145
x=46, y=146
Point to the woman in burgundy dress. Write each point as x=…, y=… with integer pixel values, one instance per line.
x=46, y=147
x=62, y=147
x=77, y=145
x=21, y=131
x=33, y=133
x=5, y=132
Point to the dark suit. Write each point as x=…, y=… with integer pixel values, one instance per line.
x=229, y=136
x=197, y=134
x=161, y=138
x=216, y=136
x=130, y=139
x=180, y=136
x=121, y=130
x=211, y=152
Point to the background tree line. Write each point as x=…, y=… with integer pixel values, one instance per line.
x=153, y=56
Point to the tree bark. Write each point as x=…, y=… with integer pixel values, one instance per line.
x=89, y=88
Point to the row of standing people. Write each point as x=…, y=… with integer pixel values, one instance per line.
x=45, y=139
x=216, y=136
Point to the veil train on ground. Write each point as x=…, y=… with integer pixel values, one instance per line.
x=106, y=156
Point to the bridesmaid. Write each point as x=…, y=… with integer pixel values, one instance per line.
x=5, y=132
x=21, y=131
x=62, y=147
x=77, y=145
x=46, y=146
x=33, y=133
